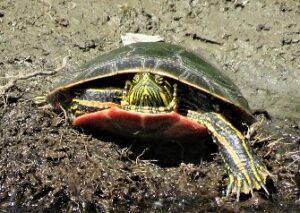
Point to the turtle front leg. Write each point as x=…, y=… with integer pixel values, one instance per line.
x=246, y=171
x=93, y=100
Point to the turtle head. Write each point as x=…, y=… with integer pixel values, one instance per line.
x=148, y=90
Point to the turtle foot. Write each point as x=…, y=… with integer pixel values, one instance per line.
x=255, y=179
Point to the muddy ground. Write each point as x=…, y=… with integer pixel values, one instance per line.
x=47, y=165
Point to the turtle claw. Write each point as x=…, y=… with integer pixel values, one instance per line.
x=239, y=184
x=265, y=189
x=40, y=100
x=229, y=187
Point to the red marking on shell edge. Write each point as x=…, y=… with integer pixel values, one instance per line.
x=142, y=125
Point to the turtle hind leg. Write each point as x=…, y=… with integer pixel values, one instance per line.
x=246, y=171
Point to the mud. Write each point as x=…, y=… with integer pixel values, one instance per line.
x=47, y=165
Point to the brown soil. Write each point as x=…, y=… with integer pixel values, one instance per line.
x=47, y=165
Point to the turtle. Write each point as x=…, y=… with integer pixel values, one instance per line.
x=161, y=91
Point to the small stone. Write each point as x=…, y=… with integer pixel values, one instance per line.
x=286, y=41
x=86, y=45
x=63, y=22
x=261, y=27
x=90, y=44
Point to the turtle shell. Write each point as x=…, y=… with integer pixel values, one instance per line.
x=165, y=59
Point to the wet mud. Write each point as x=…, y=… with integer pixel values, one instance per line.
x=48, y=165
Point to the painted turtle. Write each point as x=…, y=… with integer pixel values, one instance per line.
x=157, y=91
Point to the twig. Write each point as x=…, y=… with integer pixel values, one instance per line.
x=253, y=128
x=13, y=80
x=195, y=36
x=296, y=158
x=292, y=153
x=140, y=155
x=263, y=140
x=63, y=64
x=272, y=145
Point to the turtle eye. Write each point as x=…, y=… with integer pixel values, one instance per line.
x=136, y=79
x=158, y=79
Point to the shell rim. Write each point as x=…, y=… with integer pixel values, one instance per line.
x=163, y=73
